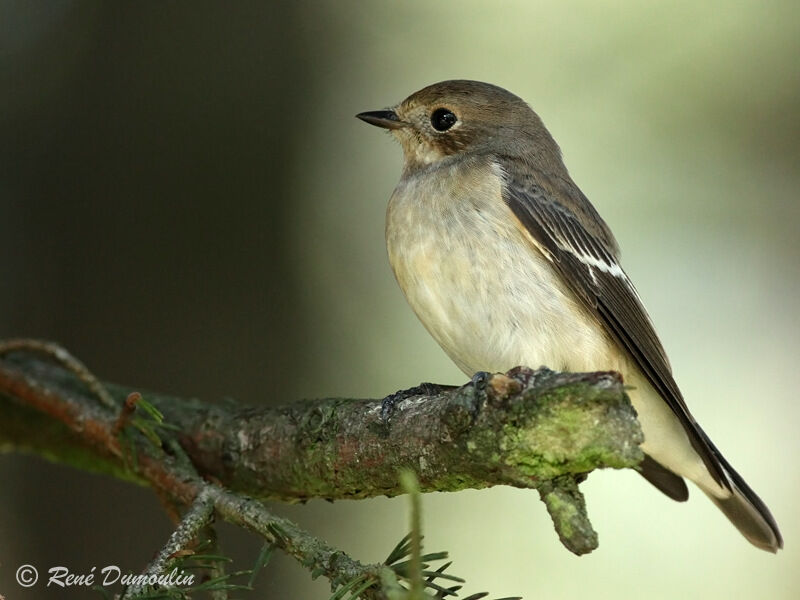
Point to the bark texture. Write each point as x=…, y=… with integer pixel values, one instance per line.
x=530, y=429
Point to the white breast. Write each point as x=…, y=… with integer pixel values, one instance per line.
x=477, y=283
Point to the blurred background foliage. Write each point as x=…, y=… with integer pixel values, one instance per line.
x=188, y=205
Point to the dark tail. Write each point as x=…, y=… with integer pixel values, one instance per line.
x=746, y=510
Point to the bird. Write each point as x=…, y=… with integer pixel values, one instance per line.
x=506, y=262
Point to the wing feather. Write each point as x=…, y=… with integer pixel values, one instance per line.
x=588, y=264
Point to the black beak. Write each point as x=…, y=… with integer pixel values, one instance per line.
x=387, y=119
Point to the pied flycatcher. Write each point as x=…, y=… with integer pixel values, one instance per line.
x=506, y=263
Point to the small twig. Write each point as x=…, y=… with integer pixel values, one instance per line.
x=313, y=553
x=567, y=508
x=64, y=358
x=128, y=408
x=195, y=519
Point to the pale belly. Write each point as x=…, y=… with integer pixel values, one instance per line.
x=485, y=293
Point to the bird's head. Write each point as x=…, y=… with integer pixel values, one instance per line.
x=463, y=117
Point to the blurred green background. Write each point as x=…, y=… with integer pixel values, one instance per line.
x=188, y=205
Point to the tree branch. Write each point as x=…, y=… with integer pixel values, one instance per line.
x=529, y=429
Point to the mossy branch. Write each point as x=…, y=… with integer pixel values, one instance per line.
x=530, y=429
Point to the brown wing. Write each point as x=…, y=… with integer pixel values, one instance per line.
x=589, y=265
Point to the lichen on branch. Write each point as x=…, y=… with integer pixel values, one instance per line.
x=530, y=429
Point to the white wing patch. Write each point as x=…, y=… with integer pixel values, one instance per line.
x=593, y=256
x=590, y=261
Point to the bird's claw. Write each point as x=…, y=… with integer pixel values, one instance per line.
x=423, y=389
x=479, y=380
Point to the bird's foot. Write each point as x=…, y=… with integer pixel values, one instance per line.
x=423, y=389
x=479, y=380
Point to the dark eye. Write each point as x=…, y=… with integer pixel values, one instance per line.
x=442, y=119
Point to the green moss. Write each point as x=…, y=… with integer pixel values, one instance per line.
x=563, y=513
x=453, y=483
x=569, y=434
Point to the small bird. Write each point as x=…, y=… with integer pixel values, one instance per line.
x=506, y=263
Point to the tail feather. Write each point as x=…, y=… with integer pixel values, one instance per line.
x=745, y=509
x=732, y=495
x=663, y=479
x=751, y=518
